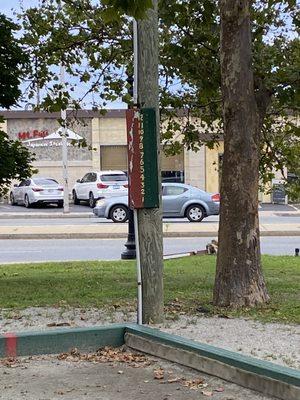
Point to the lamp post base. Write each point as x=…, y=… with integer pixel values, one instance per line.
x=130, y=253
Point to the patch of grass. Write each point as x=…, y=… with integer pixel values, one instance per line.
x=282, y=274
x=188, y=284
x=82, y=284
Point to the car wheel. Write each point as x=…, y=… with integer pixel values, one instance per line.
x=92, y=201
x=119, y=213
x=26, y=201
x=75, y=198
x=12, y=200
x=60, y=204
x=195, y=213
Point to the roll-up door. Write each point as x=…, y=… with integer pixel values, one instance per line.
x=114, y=157
x=172, y=163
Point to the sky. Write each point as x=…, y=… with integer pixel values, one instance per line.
x=8, y=7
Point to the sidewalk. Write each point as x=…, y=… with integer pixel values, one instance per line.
x=53, y=214
x=45, y=215
x=108, y=231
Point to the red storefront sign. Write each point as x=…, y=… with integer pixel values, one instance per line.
x=136, y=187
x=142, y=158
x=34, y=134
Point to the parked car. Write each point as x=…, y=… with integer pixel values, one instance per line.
x=97, y=185
x=37, y=190
x=178, y=200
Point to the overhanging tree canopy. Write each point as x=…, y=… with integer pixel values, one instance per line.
x=15, y=159
x=94, y=41
x=96, y=48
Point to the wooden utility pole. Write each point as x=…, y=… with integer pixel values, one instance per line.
x=150, y=219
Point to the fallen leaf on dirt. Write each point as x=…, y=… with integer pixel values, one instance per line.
x=224, y=316
x=207, y=393
x=173, y=380
x=120, y=372
x=220, y=389
x=108, y=355
x=17, y=317
x=174, y=306
x=10, y=362
x=193, y=383
x=203, y=310
x=159, y=373
x=51, y=324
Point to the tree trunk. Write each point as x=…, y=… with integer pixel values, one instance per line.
x=150, y=219
x=239, y=279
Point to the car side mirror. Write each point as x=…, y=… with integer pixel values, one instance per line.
x=78, y=180
x=16, y=185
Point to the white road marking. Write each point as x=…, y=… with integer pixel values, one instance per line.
x=20, y=251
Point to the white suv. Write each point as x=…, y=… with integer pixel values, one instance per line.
x=97, y=185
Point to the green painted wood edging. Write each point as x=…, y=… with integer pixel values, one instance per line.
x=263, y=368
x=151, y=199
x=63, y=340
x=91, y=339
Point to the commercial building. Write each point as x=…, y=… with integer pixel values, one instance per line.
x=105, y=136
x=106, y=139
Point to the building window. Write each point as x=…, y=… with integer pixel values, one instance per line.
x=172, y=176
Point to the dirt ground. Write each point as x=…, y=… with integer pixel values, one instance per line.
x=111, y=377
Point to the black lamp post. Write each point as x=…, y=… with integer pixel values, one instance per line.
x=129, y=253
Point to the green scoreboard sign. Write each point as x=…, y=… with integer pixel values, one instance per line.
x=142, y=158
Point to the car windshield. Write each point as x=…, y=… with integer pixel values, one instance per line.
x=114, y=177
x=45, y=182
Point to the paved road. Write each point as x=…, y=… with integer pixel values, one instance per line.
x=52, y=209
x=48, y=209
x=276, y=220
x=269, y=217
x=110, y=249
x=92, y=220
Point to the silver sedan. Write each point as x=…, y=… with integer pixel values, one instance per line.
x=179, y=201
x=37, y=191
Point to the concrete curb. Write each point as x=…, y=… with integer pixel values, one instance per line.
x=120, y=235
x=46, y=216
x=269, y=378
x=89, y=214
x=99, y=235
